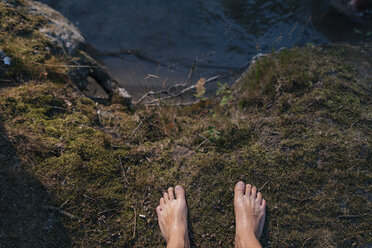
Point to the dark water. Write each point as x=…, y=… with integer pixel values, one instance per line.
x=165, y=37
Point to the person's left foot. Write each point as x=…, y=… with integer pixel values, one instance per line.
x=172, y=217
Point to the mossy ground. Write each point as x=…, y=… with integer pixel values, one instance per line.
x=299, y=127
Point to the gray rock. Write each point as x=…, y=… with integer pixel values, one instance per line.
x=59, y=29
x=67, y=37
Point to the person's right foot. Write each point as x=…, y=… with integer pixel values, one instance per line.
x=250, y=212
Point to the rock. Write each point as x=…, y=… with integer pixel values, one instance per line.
x=68, y=38
x=96, y=92
x=6, y=60
x=59, y=29
x=122, y=97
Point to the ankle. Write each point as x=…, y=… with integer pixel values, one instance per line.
x=247, y=240
x=178, y=242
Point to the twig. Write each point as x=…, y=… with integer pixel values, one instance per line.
x=151, y=76
x=123, y=171
x=348, y=216
x=89, y=198
x=115, y=146
x=135, y=130
x=190, y=88
x=300, y=200
x=303, y=245
x=257, y=128
x=76, y=88
x=169, y=96
x=64, y=66
x=274, y=132
x=167, y=91
x=205, y=140
x=354, y=123
x=310, y=104
x=108, y=210
x=180, y=104
x=13, y=80
x=340, y=107
x=188, y=76
x=71, y=216
x=201, y=144
x=63, y=204
x=135, y=221
x=263, y=185
x=64, y=109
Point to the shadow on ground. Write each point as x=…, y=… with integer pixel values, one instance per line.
x=24, y=221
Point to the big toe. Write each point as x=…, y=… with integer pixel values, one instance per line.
x=180, y=192
x=239, y=190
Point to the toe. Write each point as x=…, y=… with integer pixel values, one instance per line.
x=166, y=198
x=239, y=189
x=263, y=204
x=162, y=202
x=254, y=192
x=170, y=193
x=248, y=190
x=158, y=210
x=180, y=192
x=259, y=198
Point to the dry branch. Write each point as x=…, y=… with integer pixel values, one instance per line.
x=123, y=171
x=59, y=210
x=180, y=104
x=263, y=186
x=171, y=93
x=63, y=66
x=205, y=140
x=167, y=91
x=106, y=211
x=135, y=221
x=135, y=130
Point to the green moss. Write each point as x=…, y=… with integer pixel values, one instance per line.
x=298, y=127
x=27, y=47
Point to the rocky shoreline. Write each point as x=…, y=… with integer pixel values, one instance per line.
x=87, y=74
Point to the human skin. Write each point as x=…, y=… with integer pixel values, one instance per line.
x=249, y=207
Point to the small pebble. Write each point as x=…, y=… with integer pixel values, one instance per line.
x=7, y=60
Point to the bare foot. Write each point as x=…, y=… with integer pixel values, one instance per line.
x=250, y=212
x=172, y=218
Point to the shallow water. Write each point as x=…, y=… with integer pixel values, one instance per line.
x=165, y=37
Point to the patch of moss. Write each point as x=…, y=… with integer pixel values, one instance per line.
x=32, y=55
